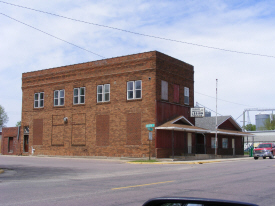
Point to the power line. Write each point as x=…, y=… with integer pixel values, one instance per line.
x=209, y=108
x=54, y=36
x=223, y=100
x=141, y=34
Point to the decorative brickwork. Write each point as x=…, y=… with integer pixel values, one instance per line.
x=111, y=128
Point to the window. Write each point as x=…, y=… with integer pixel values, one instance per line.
x=176, y=93
x=103, y=93
x=213, y=142
x=186, y=95
x=134, y=89
x=59, y=97
x=164, y=90
x=79, y=95
x=39, y=100
x=224, y=143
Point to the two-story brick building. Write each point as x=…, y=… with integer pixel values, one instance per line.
x=101, y=108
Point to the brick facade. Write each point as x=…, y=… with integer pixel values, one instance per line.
x=10, y=141
x=112, y=128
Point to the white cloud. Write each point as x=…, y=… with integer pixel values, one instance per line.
x=235, y=25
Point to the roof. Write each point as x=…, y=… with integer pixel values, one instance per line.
x=181, y=124
x=210, y=122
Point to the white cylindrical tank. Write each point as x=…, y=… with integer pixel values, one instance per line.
x=260, y=119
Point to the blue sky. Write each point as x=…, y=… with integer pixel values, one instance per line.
x=244, y=81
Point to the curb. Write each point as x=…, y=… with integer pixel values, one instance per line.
x=175, y=163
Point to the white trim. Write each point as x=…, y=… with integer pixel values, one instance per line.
x=38, y=100
x=182, y=117
x=134, y=90
x=79, y=96
x=183, y=129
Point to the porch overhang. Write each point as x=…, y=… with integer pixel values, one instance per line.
x=231, y=132
x=183, y=129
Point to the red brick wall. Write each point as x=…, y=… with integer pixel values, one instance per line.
x=6, y=133
x=80, y=135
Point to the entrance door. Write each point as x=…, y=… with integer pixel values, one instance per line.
x=26, y=143
x=189, y=143
x=233, y=146
x=10, y=145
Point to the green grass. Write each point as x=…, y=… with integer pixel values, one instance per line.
x=144, y=161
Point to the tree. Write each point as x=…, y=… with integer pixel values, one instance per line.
x=250, y=127
x=18, y=124
x=269, y=124
x=3, y=117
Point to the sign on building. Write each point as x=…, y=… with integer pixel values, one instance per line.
x=198, y=112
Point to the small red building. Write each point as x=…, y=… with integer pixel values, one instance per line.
x=10, y=143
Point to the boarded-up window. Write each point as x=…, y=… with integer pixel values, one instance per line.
x=186, y=95
x=37, y=131
x=133, y=129
x=176, y=93
x=164, y=90
x=79, y=130
x=58, y=130
x=102, y=130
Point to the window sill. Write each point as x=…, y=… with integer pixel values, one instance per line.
x=38, y=108
x=101, y=103
x=133, y=100
x=63, y=106
x=77, y=105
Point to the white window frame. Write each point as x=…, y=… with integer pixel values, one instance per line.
x=78, y=96
x=39, y=100
x=58, y=98
x=134, y=90
x=224, y=143
x=164, y=90
x=186, y=95
x=103, y=93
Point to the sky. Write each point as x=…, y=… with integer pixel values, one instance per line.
x=32, y=40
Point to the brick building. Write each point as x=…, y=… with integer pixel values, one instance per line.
x=101, y=108
x=10, y=142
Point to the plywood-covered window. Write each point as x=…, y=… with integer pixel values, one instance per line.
x=37, y=131
x=164, y=90
x=133, y=129
x=186, y=95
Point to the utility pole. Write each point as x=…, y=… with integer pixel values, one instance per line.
x=216, y=136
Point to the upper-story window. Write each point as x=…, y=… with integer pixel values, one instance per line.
x=103, y=93
x=39, y=100
x=79, y=95
x=164, y=90
x=134, y=89
x=186, y=95
x=176, y=93
x=59, y=97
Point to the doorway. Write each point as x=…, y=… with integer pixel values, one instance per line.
x=10, y=145
x=26, y=143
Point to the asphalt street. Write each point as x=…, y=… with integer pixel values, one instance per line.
x=82, y=181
